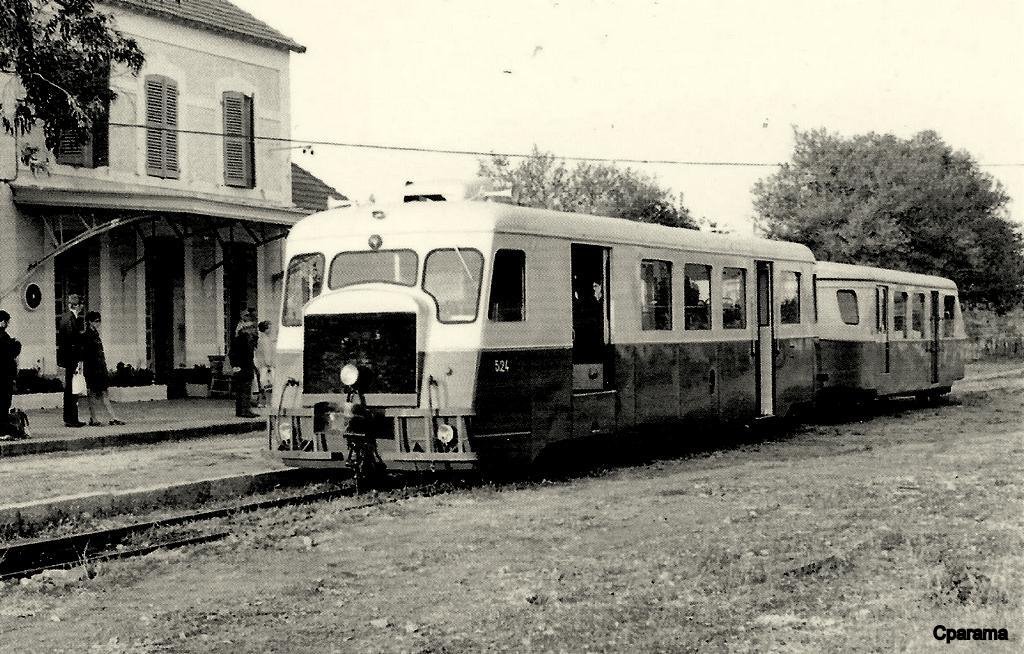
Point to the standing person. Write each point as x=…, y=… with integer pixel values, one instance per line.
x=69, y=334
x=264, y=358
x=243, y=365
x=10, y=348
x=94, y=366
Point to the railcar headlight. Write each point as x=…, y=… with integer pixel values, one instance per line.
x=284, y=429
x=349, y=374
x=445, y=433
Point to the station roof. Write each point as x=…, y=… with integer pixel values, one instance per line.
x=218, y=16
x=496, y=217
x=828, y=270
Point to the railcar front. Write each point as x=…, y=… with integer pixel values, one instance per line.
x=887, y=332
x=379, y=341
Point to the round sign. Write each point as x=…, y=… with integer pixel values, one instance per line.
x=33, y=296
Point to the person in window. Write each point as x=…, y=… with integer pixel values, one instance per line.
x=69, y=335
x=10, y=348
x=94, y=367
x=243, y=365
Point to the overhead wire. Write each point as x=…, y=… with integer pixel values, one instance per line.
x=298, y=143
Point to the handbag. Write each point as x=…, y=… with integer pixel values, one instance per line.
x=78, y=382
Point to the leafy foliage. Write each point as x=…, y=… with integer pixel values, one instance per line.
x=61, y=51
x=914, y=204
x=542, y=180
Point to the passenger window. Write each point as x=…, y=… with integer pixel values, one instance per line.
x=697, y=296
x=452, y=277
x=790, y=298
x=386, y=266
x=303, y=282
x=734, y=298
x=508, y=287
x=917, y=314
x=656, y=312
x=899, y=314
x=948, y=314
x=848, y=309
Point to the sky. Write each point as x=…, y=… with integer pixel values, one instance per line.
x=637, y=79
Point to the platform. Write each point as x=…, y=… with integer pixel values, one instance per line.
x=147, y=422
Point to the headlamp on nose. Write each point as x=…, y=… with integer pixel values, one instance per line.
x=349, y=374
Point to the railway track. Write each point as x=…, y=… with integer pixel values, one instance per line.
x=31, y=557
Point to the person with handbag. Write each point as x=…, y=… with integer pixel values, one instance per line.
x=243, y=366
x=94, y=365
x=69, y=335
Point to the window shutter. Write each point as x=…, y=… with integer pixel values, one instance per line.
x=162, y=127
x=238, y=140
x=154, y=126
x=71, y=153
x=171, y=133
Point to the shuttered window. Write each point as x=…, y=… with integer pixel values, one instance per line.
x=239, y=162
x=162, y=127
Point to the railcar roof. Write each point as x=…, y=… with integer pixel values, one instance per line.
x=845, y=271
x=494, y=217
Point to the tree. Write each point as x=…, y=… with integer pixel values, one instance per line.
x=914, y=204
x=542, y=180
x=61, y=51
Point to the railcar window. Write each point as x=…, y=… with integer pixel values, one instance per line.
x=848, y=309
x=697, y=296
x=303, y=282
x=452, y=277
x=790, y=298
x=508, y=287
x=734, y=298
x=917, y=314
x=656, y=312
x=390, y=266
x=899, y=313
x=948, y=314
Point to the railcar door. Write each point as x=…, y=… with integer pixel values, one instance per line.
x=882, y=325
x=594, y=399
x=934, y=337
x=765, y=343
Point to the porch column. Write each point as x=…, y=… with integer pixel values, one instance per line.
x=105, y=286
x=140, y=302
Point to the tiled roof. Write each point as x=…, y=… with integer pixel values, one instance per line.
x=214, y=15
x=310, y=192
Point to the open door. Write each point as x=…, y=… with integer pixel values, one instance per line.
x=882, y=326
x=765, y=343
x=594, y=397
x=934, y=337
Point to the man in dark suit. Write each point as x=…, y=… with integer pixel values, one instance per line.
x=9, y=351
x=69, y=334
x=242, y=355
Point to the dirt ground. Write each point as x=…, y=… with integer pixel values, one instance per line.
x=855, y=534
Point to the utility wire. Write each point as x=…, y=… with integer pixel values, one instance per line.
x=481, y=153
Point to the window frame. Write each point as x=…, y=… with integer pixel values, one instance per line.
x=416, y=268
x=743, y=303
x=784, y=300
x=921, y=300
x=479, y=289
x=490, y=291
x=646, y=309
x=949, y=322
x=710, y=304
x=287, y=278
x=856, y=305
x=902, y=329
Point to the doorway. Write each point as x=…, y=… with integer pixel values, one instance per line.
x=882, y=325
x=239, y=285
x=765, y=344
x=165, y=305
x=594, y=400
x=935, y=336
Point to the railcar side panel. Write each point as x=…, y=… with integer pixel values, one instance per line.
x=794, y=374
x=737, y=382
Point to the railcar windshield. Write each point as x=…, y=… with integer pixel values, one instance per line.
x=452, y=277
x=388, y=266
x=304, y=280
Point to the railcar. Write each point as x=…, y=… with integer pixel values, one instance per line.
x=456, y=335
x=887, y=333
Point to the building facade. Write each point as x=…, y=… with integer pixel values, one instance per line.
x=170, y=221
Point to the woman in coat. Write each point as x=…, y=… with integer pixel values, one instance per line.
x=94, y=366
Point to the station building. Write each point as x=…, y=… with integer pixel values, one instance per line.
x=171, y=219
